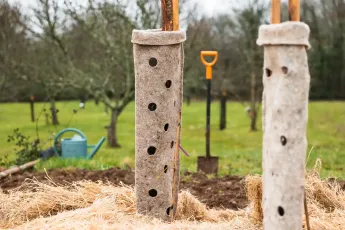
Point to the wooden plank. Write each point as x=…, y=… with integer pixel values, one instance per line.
x=275, y=11
x=294, y=10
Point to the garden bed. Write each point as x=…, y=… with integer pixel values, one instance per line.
x=223, y=192
x=82, y=199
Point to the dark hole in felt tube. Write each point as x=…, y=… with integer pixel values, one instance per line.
x=152, y=106
x=153, y=192
x=168, y=84
x=268, y=72
x=281, y=211
x=283, y=140
x=285, y=69
x=151, y=150
x=165, y=169
x=153, y=62
x=170, y=208
x=172, y=144
x=166, y=126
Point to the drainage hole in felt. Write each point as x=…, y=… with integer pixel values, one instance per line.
x=174, y=103
x=283, y=140
x=170, y=208
x=152, y=106
x=268, y=72
x=281, y=211
x=153, y=192
x=153, y=62
x=166, y=127
x=165, y=169
x=172, y=144
x=285, y=69
x=168, y=84
x=151, y=150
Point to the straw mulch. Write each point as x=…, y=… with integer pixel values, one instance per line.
x=88, y=205
x=325, y=201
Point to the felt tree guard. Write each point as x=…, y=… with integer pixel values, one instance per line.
x=158, y=61
x=286, y=82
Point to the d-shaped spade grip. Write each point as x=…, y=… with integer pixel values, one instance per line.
x=209, y=65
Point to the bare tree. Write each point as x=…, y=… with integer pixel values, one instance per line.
x=50, y=65
x=109, y=73
x=248, y=20
x=13, y=43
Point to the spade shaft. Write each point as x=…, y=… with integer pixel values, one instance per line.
x=208, y=118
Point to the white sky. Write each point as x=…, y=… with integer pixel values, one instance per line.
x=209, y=7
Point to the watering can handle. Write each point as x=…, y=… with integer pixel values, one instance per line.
x=209, y=65
x=65, y=131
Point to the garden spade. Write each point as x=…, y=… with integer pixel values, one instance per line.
x=208, y=164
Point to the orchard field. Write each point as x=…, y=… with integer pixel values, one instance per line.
x=238, y=148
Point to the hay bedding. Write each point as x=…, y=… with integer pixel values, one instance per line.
x=89, y=205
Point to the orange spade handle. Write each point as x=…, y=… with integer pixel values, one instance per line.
x=209, y=64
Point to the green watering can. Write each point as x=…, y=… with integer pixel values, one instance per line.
x=75, y=147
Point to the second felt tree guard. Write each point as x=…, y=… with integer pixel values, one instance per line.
x=158, y=61
x=285, y=114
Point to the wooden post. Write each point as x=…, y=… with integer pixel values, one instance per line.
x=223, y=98
x=275, y=11
x=294, y=10
x=32, y=108
x=170, y=15
x=286, y=81
x=158, y=62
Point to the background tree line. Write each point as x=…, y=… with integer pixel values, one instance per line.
x=69, y=51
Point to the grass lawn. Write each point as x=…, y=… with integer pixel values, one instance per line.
x=239, y=150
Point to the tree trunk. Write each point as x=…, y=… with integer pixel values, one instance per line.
x=222, y=125
x=112, y=137
x=253, y=116
x=106, y=109
x=252, y=111
x=53, y=110
x=188, y=99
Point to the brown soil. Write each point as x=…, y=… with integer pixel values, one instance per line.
x=222, y=192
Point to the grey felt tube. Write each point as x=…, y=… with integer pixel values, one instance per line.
x=286, y=82
x=158, y=61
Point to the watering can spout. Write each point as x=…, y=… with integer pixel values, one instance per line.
x=95, y=148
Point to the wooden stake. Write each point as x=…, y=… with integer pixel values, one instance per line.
x=275, y=11
x=170, y=22
x=176, y=20
x=306, y=211
x=294, y=10
x=170, y=15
